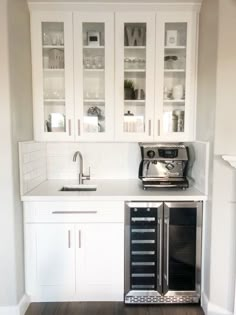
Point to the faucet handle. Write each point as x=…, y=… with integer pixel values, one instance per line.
x=87, y=177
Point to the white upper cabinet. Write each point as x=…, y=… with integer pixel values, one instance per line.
x=94, y=75
x=125, y=75
x=134, y=90
x=175, y=87
x=52, y=62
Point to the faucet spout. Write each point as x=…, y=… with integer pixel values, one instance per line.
x=82, y=177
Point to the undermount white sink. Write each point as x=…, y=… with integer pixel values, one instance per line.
x=79, y=187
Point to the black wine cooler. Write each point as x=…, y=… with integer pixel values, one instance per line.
x=163, y=252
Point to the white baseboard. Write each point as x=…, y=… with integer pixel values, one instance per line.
x=204, y=303
x=212, y=309
x=18, y=309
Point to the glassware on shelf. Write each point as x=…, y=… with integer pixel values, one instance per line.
x=93, y=62
x=99, y=62
x=56, y=58
x=181, y=63
x=134, y=63
x=53, y=38
x=46, y=38
x=171, y=62
x=45, y=61
x=57, y=38
x=53, y=94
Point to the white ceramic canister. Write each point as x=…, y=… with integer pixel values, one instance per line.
x=178, y=92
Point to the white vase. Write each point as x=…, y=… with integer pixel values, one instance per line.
x=178, y=92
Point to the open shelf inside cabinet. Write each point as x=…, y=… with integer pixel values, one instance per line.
x=51, y=101
x=53, y=47
x=174, y=70
x=93, y=47
x=96, y=100
x=134, y=102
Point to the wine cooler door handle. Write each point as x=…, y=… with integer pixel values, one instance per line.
x=167, y=222
x=160, y=251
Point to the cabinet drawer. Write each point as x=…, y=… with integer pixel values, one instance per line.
x=91, y=211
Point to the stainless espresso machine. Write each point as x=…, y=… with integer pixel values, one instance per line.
x=163, y=165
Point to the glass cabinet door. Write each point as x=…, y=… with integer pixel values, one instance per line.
x=94, y=65
x=174, y=77
x=134, y=76
x=175, y=94
x=52, y=75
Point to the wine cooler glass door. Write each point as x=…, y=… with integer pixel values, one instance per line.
x=144, y=248
x=182, y=247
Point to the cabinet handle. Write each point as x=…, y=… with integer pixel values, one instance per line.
x=69, y=239
x=69, y=126
x=158, y=127
x=167, y=222
x=78, y=127
x=74, y=212
x=149, y=127
x=79, y=238
x=160, y=251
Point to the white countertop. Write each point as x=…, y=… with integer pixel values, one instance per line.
x=110, y=190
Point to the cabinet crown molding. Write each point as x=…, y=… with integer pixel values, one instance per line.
x=115, y=5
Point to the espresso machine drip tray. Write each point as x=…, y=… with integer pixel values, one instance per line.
x=165, y=183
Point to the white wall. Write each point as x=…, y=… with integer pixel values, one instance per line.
x=7, y=246
x=16, y=125
x=226, y=80
x=216, y=111
x=206, y=107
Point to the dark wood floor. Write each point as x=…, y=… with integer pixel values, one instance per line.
x=110, y=308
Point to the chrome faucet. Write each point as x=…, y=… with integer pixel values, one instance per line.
x=82, y=177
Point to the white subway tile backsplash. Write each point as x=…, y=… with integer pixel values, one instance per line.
x=39, y=161
x=106, y=160
x=33, y=166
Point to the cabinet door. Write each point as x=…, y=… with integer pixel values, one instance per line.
x=182, y=247
x=55, y=260
x=134, y=66
x=100, y=262
x=176, y=44
x=94, y=75
x=52, y=62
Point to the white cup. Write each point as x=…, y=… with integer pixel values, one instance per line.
x=178, y=92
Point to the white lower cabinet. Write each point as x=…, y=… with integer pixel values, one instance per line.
x=76, y=261
x=99, y=260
